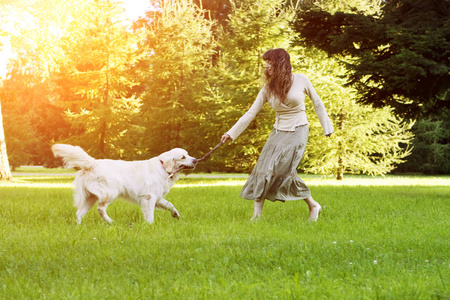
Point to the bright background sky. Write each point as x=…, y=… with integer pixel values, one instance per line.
x=133, y=10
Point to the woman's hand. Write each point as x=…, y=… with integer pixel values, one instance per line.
x=225, y=137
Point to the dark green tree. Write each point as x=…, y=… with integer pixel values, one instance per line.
x=366, y=140
x=399, y=58
x=431, y=153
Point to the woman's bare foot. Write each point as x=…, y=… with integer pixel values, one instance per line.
x=314, y=208
x=255, y=218
x=314, y=212
x=258, y=206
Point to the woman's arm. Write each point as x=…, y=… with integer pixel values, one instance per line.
x=246, y=119
x=321, y=112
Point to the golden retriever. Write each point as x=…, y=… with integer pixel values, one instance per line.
x=145, y=182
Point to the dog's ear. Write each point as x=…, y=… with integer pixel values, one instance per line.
x=169, y=165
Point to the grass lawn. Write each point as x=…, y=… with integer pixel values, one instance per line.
x=37, y=170
x=386, y=238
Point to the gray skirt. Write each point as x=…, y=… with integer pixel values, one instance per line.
x=275, y=175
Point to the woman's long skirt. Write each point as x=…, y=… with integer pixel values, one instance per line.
x=275, y=175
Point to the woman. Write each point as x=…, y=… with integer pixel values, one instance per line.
x=275, y=174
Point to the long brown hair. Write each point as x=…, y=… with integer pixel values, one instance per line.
x=279, y=83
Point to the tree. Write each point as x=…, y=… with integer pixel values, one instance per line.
x=5, y=172
x=215, y=9
x=431, y=153
x=19, y=132
x=173, y=75
x=399, y=57
x=366, y=140
x=353, y=148
x=34, y=30
x=134, y=93
x=100, y=108
x=73, y=56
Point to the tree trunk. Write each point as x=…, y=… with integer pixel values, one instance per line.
x=5, y=172
x=340, y=167
x=102, y=140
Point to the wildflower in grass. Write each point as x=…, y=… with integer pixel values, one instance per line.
x=374, y=262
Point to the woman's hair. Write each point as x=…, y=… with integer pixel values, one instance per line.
x=279, y=83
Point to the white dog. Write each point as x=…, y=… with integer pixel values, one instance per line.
x=142, y=182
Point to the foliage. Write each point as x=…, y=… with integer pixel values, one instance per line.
x=173, y=75
x=431, y=153
x=216, y=9
x=99, y=53
x=399, y=57
x=34, y=29
x=19, y=132
x=32, y=119
x=5, y=172
x=366, y=140
x=18, y=29
x=175, y=79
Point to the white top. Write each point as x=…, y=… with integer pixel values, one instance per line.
x=290, y=114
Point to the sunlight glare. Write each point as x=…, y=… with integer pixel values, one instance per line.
x=135, y=8
x=13, y=24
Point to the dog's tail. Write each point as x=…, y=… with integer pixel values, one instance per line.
x=73, y=157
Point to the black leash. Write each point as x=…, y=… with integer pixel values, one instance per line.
x=199, y=160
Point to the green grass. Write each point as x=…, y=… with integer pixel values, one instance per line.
x=386, y=238
x=37, y=170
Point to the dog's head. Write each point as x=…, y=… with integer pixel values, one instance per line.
x=175, y=159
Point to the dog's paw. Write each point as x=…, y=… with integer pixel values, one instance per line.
x=175, y=214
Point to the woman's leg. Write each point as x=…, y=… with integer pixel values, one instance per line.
x=257, y=209
x=314, y=208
